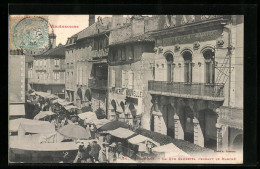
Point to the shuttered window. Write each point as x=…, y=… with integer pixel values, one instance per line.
x=113, y=78
x=124, y=79
x=130, y=79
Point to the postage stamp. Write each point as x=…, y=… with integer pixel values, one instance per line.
x=30, y=34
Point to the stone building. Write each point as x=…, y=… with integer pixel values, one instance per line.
x=130, y=61
x=86, y=60
x=197, y=90
x=47, y=73
x=17, y=85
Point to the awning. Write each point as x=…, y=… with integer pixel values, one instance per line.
x=170, y=149
x=35, y=126
x=121, y=133
x=16, y=110
x=14, y=124
x=43, y=114
x=140, y=138
x=68, y=107
x=87, y=115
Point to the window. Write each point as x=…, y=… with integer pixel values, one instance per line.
x=170, y=67
x=56, y=62
x=123, y=54
x=114, y=55
x=119, y=54
x=209, y=66
x=113, y=78
x=124, y=79
x=130, y=79
x=131, y=53
x=187, y=56
x=56, y=75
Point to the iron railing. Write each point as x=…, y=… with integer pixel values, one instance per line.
x=199, y=89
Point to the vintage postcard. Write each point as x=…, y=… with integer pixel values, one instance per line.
x=126, y=89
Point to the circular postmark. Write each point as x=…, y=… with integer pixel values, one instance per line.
x=31, y=35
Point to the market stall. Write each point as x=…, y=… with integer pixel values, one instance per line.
x=169, y=150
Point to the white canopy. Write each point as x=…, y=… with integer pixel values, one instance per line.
x=14, y=124
x=87, y=115
x=121, y=133
x=68, y=107
x=36, y=126
x=140, y=138
x=170, y=149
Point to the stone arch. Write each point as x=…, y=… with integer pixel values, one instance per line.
x=186, y=50
x=79, y=94
x=88, y=94
x=207, y=47
x=237, y=143
x=113, y=103
x=167, y=52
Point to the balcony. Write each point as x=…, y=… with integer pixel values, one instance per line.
x=97, y=84
x=46, y=81
x=59, y=67
x=187, y=90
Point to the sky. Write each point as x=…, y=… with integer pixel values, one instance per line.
x=81, y=21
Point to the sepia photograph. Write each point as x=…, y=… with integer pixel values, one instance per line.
x=164, y=89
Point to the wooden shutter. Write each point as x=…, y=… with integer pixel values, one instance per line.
x=130, y=80
x=113, y=78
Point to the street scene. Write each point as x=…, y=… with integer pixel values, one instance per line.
x=126, y=89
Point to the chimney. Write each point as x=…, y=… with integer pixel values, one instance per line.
x=117, y=21
x=91, y=20
x=52, y=38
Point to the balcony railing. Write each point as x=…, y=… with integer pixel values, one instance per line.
x=46, y=81
x=97, y=84
x=186, y=89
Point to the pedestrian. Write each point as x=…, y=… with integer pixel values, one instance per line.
x=88, y=130
x=92, y=131
x=81, y=154
x=95, y=150
x=119, y=150
x=87, y=151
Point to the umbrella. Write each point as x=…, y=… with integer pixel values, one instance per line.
x=74, y=131
x=87, y=115
x=113, y=125
x=43, y=114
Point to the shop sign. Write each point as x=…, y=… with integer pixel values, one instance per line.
x=201, y=36
x=134, y=93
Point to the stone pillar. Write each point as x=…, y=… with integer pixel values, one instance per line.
x=198, y=134
x=219, y=136
x=178, y=130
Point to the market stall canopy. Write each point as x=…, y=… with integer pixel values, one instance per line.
x=43, y=114
x=35, y=126
x=16, y=110
x=15, y=143
x=69, y=107
x=170, y=149
x=74, y=131
x=113, y=125
x=121, y=133
x=87, y=115
x=100, y=122
x=140, y=138
x=14, y=124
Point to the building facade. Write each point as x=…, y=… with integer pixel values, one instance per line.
x=197, y=90
x=47, y=73
x=17, y=84
x=86, y=59
x=131, y=59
